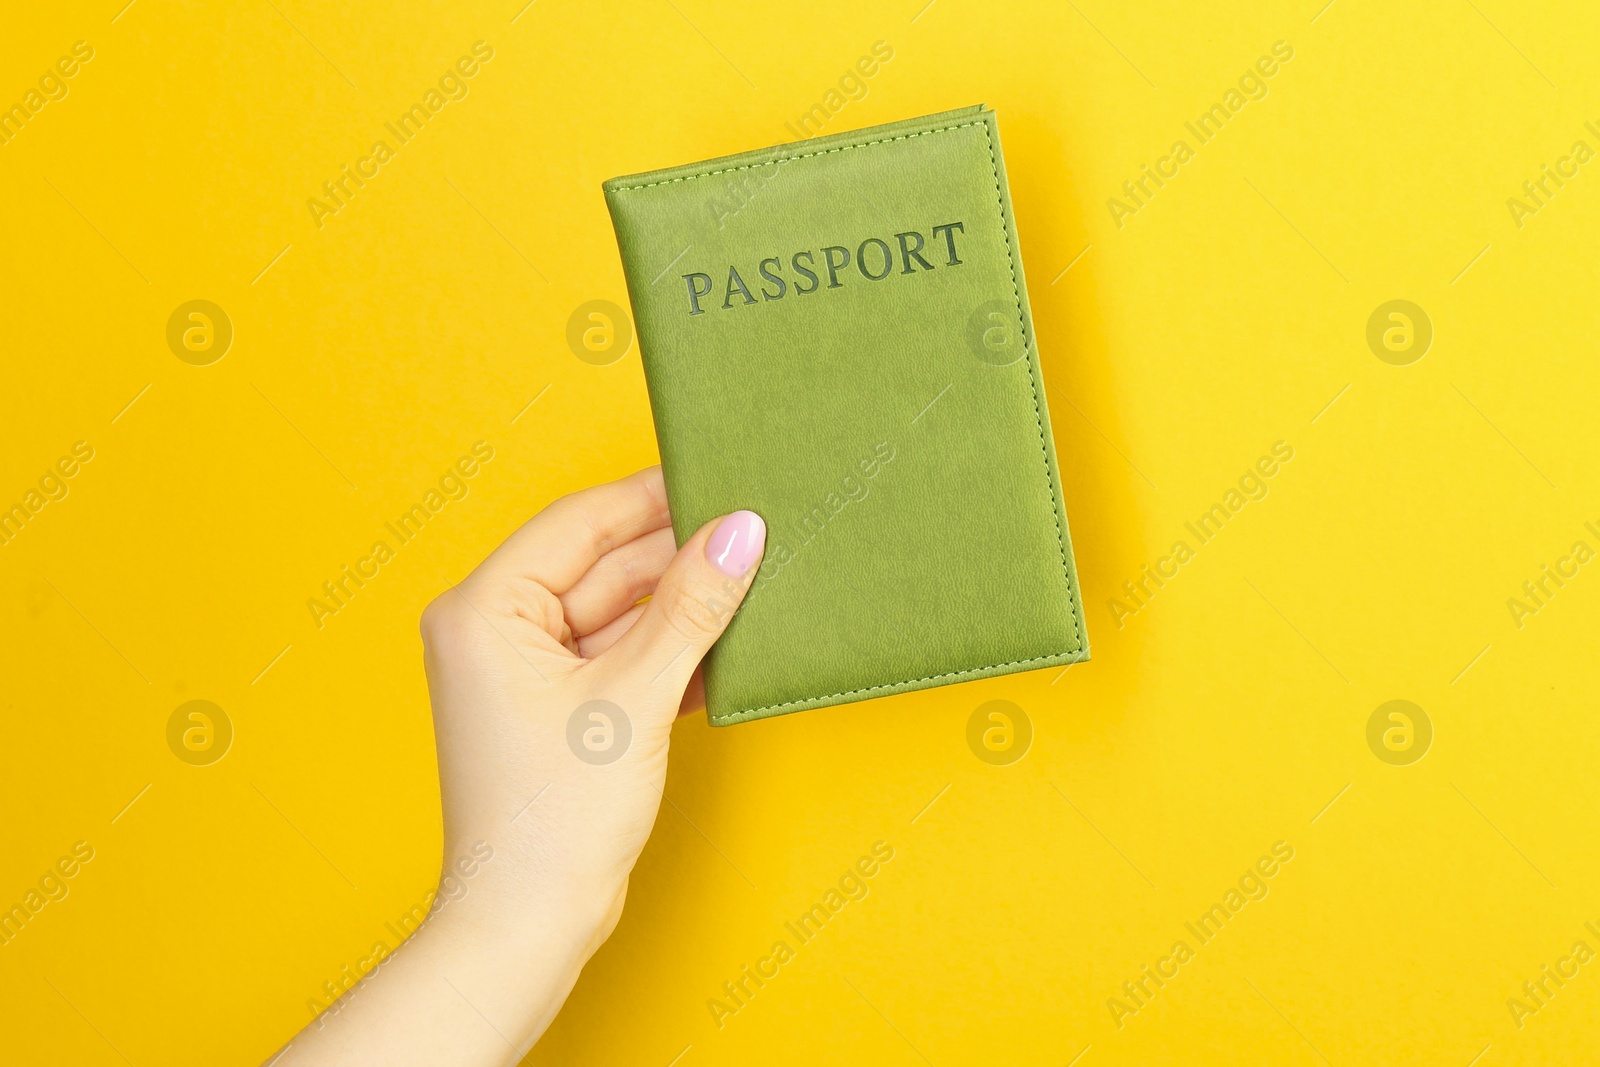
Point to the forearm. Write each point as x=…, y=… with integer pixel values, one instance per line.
x=475, y=986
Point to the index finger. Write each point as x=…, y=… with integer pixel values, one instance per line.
x=557, y=546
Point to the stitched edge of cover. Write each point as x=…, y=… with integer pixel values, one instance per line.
x=1044, y=455
x=746, y=714
x=808, y=155
x=1033, y=357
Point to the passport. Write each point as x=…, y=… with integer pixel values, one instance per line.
x=835, y=334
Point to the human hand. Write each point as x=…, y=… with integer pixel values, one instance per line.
x=549, y=623
x=563, y=789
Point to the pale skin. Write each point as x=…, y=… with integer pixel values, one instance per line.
x=551, y=620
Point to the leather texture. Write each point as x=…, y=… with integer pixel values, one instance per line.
x=886, y=416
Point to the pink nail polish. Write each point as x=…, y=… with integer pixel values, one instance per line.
x=736, y=543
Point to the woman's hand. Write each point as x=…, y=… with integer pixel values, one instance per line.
x=554, y=692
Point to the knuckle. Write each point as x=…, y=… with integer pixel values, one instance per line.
x=439, y=618
x=644, y=576
x=538, y=605
x=699, y=611
x=448, y=622
x=575, y=507
x=630, y=577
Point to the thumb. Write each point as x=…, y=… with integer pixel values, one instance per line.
x=692, y=605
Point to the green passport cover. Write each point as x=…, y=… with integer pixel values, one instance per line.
x=836, y=335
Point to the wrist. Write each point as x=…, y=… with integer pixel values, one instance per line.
x=512, y=956
x=516, y=895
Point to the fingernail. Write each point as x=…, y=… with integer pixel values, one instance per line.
x=736, y=543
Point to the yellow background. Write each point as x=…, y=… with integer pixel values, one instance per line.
x=1223, y=717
